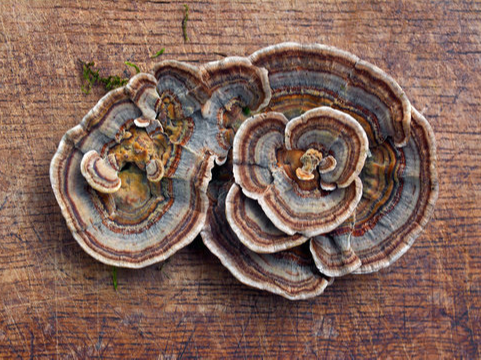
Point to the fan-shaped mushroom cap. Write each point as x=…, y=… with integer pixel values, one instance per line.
x=145, y=220
x=99, y=173
x=220, y=90
x=333, y=253
x=143, y=122
x=401, y=188
x=290, y=273
x=327, y=164
x=304, y=77
x=149, y=151
x=236, y=78
x=141, y=90
x=155, y=170
x=266, y=171
x=236, y=85
x=253, y=228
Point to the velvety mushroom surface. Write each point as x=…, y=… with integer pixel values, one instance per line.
x=303, y=77
x=221, y=90
x=131, y=178
x=253, y=227
x=129, y=195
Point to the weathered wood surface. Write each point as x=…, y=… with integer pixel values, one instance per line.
x=57, y=302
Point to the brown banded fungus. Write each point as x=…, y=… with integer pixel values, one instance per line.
x=399, y=180
x=131, y=178
x=400, y=190
x=252, y=226
x=276, y=163
x=209, y=99
x=304, y=77
x=325, y=168
x=144, y=220
x=269, y=151
x=289, y=273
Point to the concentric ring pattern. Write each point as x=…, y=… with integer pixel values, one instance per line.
x=297, y=164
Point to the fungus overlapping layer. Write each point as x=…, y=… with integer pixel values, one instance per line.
x=220, y=90
x=324, y=168
x=277, y=166
x=131, y=178
x=289, y=273
x=399, y=177
x=303, y=77
x=269, y=151
x=400, y=190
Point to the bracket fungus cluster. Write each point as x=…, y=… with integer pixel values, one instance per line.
x=331, y=171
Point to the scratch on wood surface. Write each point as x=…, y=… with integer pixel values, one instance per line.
x=242, y=339
x=187, y=343
x=2, y=205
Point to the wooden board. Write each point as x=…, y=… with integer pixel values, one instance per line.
x=57, y=302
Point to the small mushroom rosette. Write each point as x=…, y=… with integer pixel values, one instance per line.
x=338, y=162
x=305, y=172
x=131, y=179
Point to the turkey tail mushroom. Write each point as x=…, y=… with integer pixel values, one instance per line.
x=303, y=77
x=266, y=160
x=289, y=273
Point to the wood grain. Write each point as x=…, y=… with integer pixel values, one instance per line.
x=57, y=302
